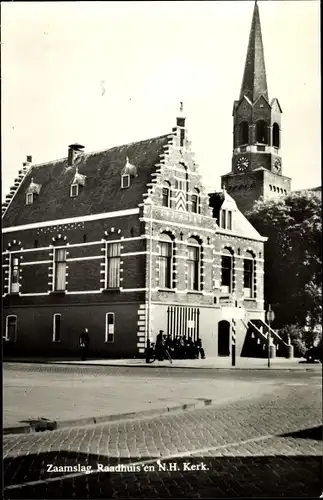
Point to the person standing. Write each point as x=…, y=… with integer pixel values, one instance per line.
x=160, y=346
x=199, y=348
x=84, y=342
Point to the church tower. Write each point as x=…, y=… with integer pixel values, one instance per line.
x=256, y=160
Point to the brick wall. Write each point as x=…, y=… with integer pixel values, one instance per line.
x=35, y=330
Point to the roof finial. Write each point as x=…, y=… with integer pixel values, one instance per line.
x=181, y=107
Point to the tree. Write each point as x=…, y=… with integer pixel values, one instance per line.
x=293, y=257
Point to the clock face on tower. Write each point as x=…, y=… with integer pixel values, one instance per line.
x=242, y=163
x=277, y=166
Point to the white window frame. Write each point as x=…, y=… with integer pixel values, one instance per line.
x=170, y=260
x=6, y=332
x=54, y=339
x=125, y=177
x=14, y=289
x=54, y=289
x=29, y=198
x=107, y=265
x=227, y=288
x=198, y=260
x=74, y=185
x=107, y=333
x=248, y=293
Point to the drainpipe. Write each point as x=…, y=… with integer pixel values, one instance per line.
x=149, y=202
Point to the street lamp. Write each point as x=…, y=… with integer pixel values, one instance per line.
x=270, y=315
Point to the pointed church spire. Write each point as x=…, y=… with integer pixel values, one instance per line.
x=254, y=81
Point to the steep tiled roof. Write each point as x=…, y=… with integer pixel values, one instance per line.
x=101, y=193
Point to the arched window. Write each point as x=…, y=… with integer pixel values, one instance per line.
x=261, y=132
x=243, y=133
x=165, y=261
x=166, y=194
x=193, y=264
x=270, y=187
x=226, y=270
x=248, y=275
x=276, y=135
x=195, y=201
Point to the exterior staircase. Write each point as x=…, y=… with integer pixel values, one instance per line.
x=256, y=344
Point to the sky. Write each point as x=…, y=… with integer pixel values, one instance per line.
x=109, y=73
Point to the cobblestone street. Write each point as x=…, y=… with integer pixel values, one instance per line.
x=264, y=443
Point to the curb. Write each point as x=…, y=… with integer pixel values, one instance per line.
x=56, y=425
x=152, y=365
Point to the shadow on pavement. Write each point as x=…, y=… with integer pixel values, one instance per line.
x=311, y=433
x=223, y=476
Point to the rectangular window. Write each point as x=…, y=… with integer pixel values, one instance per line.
x=223, y=219
x=14, y=278
x=109, y=328
x=74, y=190
x=56, y=327
x=60, y=269
x=229, y=225
x=247, y=277
x=165, y=265
x=165, y=197
x=125, y=181
x=29, y=198
x=226, y=273
x=194, y=203
x=11, y=328
x=193, y=263
x=113, y=265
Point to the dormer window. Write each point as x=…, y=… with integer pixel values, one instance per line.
x=129, y=170
x=78, y=180
x=125, y=181
x=29, y=198
x=32, y=191
x=74, y=190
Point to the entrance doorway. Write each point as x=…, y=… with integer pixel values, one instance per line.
x=224, y=338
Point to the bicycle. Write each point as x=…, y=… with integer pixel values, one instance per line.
x=151, y=358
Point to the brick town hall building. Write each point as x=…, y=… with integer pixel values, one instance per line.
x=127, y=241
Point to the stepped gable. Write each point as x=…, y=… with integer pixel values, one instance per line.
x=102, y=191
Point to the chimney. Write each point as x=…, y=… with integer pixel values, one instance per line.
x=180, y=124
x=73, y=149
x=28, y=161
